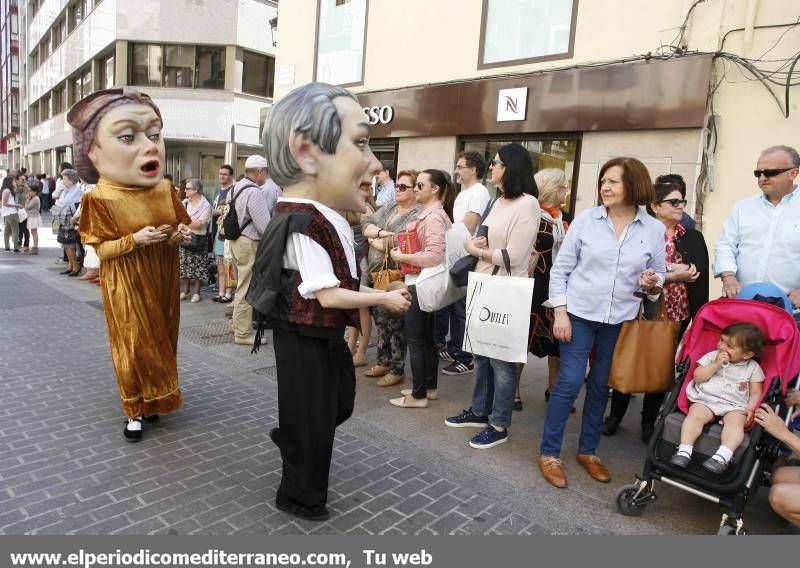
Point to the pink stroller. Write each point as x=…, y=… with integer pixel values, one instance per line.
x=753, y=460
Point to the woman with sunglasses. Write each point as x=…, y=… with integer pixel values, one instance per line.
x=380, y=228
x=513, y=224
x=435, y=193
x=685, y=289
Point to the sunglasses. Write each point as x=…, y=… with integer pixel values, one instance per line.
x=772, y=172
x=496, y=163
x=403, y=187
x=675, y=202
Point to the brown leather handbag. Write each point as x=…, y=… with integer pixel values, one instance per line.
x=385, y=276
x=644, y=357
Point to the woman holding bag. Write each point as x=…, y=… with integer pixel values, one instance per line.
x=435, y=192
x=608, y=252
x=685, y=291
x=380, y=228
x=193, y=255
x=512, y=223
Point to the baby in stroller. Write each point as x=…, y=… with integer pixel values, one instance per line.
x=727, y=383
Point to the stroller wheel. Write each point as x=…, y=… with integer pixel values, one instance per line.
x=629, y=504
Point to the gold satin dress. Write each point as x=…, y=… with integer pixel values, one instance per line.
x=140, y=287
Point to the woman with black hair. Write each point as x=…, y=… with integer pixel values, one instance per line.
x=436, y=194
x=513, y=223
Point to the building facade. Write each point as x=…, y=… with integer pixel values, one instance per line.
x=9, y=77
x=208, y=65
x=576, y=81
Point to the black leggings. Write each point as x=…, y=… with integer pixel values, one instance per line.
x=421, y=348
x=24, y=234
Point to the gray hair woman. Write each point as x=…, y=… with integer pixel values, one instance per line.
x=194, y=254
x=64, y=210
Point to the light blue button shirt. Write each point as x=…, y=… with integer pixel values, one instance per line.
x=596, y=274
x=760, y=242
x=387, y=194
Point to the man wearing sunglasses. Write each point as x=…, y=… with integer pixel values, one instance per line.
x=760, y=241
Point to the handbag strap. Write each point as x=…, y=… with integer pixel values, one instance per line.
x=506, y=262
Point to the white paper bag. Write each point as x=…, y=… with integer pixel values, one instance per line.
x=498, y=316
x=22, y=215
x=435, y=286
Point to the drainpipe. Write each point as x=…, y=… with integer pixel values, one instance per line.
x=749, y=26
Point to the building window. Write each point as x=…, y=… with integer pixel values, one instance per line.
x=44, y=111
x=258, y=74
x=33, y=114
x=146, y=65
x=87, y=7
x=210, y=68
x=59, y=104
x=59, y=33
x=341, y=41
x=107, y=72
x=526, y=31
x=86, y=83
x=14, y=24
x=179, y=66
x=75, y=14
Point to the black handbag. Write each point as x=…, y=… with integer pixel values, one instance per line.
x=67, y=236
x=198, y=244
x=459, y=272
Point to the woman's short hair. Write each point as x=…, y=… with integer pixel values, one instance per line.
x=636, y=179
x=72, y=175
x=550, y=181
x=518, y=176
x=668, y=183
x=413, y=174
x=197, y=185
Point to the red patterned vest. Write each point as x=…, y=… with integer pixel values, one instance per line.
x=310, y=312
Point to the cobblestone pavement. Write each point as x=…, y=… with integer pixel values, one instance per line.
x=211, y=469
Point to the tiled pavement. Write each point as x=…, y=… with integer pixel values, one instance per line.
x=211, y=469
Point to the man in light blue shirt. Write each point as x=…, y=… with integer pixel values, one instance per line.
x=760, y=241
x=386, y=189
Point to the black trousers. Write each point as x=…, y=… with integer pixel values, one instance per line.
x=650, y=405
x=316, y=393
x=24, y=234
x=421, y=348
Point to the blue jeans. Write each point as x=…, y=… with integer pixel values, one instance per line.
x=495, y=386
x=574, y=357
x=453, y=316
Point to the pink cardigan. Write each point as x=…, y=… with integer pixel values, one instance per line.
x=431, y=226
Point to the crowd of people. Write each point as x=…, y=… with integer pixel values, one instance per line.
x=292, y=247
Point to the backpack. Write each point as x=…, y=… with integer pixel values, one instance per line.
x=230, y=223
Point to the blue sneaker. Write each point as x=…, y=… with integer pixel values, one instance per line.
x=467, y=418
x=488, y=438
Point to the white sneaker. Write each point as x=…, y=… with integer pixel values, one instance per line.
x=195, y=298
x=183, y=296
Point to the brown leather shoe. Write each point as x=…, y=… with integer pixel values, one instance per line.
x=595, y=467
x=376, y=371
x=553, y=471
x=390, y=380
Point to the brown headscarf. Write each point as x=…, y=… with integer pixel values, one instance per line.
x=86, y=114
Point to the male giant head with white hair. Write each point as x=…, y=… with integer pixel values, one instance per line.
x=306, y=280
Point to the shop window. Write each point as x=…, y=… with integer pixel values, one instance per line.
x=341, y=41
x=146, y=65
x=258, y=74
x=545, y=153
x=525, y=31
x=179, y=66
x=210, y=67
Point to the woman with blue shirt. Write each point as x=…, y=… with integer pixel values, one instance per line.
x=610, y=251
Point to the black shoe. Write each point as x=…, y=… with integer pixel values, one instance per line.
x=74, y=274
x=647, y=432
x=151, y=418
x=680, y=460
x=66, y=272
x=610, y=425
x=132, y=435
x=316, y=514
x=274, y=435
x=518, y=404
x=715, y=466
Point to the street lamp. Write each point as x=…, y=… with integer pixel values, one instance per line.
x=273, y=24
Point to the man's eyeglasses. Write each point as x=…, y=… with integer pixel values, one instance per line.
x=496, y=163
x=772, y=172
x=675, y=202
x=403, y=187
x=460, y=167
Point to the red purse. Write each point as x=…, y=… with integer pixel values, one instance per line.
x=408, y=242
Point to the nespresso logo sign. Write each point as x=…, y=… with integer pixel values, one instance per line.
x=379, y=115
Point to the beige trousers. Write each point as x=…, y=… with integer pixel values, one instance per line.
x=243, y=251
